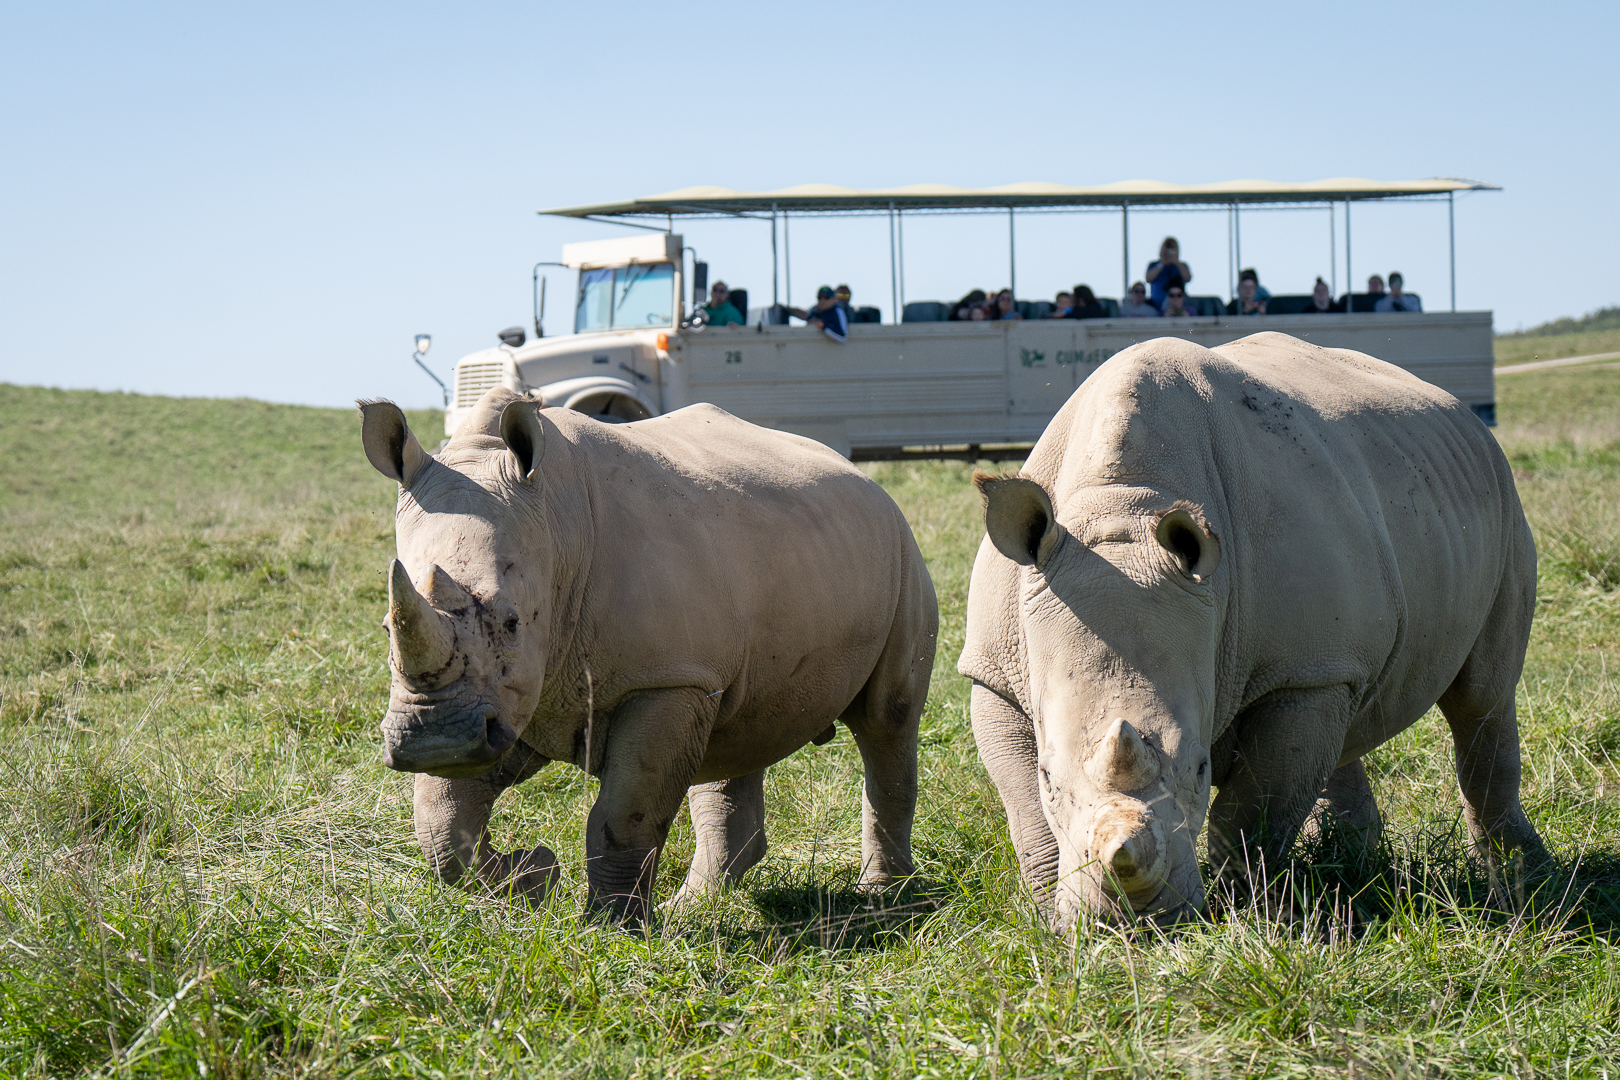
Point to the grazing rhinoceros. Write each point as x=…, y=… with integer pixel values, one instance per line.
x=1245, y=567
x=682, y=601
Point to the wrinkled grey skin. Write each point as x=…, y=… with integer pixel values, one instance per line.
x=673, y=604
x=1240, y=568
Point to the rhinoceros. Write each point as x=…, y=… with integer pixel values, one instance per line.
x=1243, y=567
x=673, y=604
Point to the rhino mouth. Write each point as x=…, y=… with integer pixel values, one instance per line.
x=465, y=746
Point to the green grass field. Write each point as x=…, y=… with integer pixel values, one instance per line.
x=208, y=873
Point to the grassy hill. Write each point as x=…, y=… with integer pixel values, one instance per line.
x=208, y=873
x=1596, y=332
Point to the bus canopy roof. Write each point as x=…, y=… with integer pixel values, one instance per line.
x=829, y=198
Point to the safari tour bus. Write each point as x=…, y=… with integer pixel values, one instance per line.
x=916, y=384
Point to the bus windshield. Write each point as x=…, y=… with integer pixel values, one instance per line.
x=619, y=298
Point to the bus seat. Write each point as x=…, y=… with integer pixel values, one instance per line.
x=866, y=315
x=925, y=311
x=1034, y=309
x=739, y=300
x=1110, y=305
x=1207, y=305
x=1289, y=304
x=1358, y=301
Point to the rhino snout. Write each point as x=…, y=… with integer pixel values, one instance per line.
x=465, y=744
x=1128, y=844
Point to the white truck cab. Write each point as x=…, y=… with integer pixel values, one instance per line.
x=612, y=365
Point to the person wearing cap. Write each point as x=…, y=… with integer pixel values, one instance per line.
x=826, y=316
x=1137, y=306
x=720, y=311
x=841, y=296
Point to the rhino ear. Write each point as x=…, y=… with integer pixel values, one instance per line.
x=1183, y=532
x=1018, y=516
x=523, y=435
x=389, y=443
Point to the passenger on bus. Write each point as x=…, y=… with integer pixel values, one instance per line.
x=1006, y=307
x=1086, y=304
x=1136, y=304
x=1396, y=300
x=1062, y=304
x=960, y=311
x=1249, y=301
x=978, y=312
x=720, y=311
x=1175, y=302
x=1167, y=270
x=1375, y=287
x=1321, y=300
x=826, y=316
x=841, y=297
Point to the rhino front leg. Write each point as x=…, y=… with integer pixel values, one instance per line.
x=1286, y=747
x=728, y=817
x=1346, y=806
x=452, y=827
x=655, y=742
x=1006, y=741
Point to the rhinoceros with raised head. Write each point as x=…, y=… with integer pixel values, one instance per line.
x=1245, y=568
x=673, y=604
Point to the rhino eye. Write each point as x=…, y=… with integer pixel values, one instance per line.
x=511, y=624
x=1203, y=767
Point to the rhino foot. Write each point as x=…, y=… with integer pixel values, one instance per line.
x=526, y=874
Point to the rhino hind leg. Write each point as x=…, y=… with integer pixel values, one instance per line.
x=1006, y=740
x=1347, y=810
x=452, y=828
x=728, y=818
x=1485, y=731
x=884, y=723
x=1285, y=751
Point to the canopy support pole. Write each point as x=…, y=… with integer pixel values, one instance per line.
x=1237, y=236
x=1125, y=250
x=1231, y=265
x=1349, y=274
x=1012, y=256
x=1333, y=253
x=775, y=299
x=894, y=272
x=1451, y=223
x=900, y=231
x=787, y=261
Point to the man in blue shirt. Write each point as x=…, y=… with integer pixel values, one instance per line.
x=1167, y=270
x=827, y=316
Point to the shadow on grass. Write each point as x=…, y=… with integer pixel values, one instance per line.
x=1334, y=885
x=806, y=912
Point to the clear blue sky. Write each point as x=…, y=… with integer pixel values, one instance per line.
x=270, y=200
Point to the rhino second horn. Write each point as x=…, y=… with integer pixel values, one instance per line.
x=423, y=638
x=1123, y=761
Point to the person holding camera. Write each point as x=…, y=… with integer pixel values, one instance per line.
x=1167, y=270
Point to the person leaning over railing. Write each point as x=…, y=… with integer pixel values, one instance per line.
x=826, y=316
x=1249, y=301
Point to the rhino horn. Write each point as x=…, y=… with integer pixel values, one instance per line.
x=423, y=638
x=1123, y=761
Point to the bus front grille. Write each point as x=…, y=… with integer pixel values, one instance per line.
x=472, y=380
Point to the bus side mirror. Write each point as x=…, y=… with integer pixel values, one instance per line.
x=700, y=283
